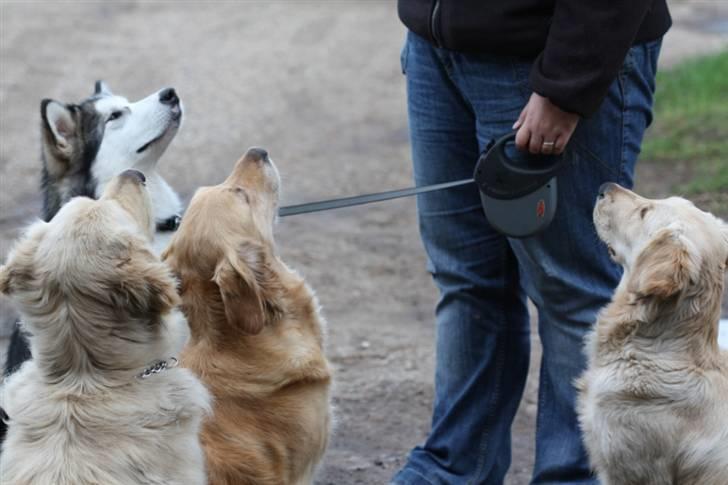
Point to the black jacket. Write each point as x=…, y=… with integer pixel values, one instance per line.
x=578, y=45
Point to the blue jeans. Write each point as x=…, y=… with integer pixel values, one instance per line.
x=457, y=104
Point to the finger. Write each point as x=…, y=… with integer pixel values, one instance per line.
x=560, y=144
x=564, y=137
x=521, y=118
x=534, y=146
x=522, y=138
x=547, y=147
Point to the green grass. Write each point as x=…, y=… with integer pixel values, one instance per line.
x=691, y=125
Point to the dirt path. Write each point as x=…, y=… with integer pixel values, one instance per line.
x=319, y=85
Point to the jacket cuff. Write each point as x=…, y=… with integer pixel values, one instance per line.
x=582, y=96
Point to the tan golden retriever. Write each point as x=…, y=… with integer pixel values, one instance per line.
x=101, y=401
x=256, y=333
x=653, y=403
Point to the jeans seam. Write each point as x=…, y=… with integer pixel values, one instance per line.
x=623, y=128
x=448, y=67
x=404, y=55
x=496, y=390
x=446, y=61
x=541, y=408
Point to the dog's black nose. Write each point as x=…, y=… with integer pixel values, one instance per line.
x=135, y=175
x=168, y=96
x=605, y=188
x=258, y=154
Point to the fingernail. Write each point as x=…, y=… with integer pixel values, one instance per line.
x=515, y=125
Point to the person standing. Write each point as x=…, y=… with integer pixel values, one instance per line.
x=575, y=75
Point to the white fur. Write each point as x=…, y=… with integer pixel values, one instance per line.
x=143, y=431
x=140, y=123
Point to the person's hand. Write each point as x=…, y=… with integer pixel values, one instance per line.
x=543, y=127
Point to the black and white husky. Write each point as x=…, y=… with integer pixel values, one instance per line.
x=84, y=145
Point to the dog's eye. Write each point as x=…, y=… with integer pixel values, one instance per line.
x=643, y=212
x=115, y=115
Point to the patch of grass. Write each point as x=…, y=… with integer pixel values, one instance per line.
x=691, y=125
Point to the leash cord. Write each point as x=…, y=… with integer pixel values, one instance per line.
x=325, y=205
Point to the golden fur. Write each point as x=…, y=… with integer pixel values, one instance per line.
x=653, y=403
x=99, y=309
x=256, y=334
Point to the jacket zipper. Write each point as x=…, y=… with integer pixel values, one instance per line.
x=434, y=24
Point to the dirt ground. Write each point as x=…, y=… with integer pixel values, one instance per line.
x=319, y=85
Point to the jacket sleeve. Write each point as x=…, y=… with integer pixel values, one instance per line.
x=586, y=46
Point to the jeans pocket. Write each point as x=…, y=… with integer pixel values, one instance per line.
x=403, y=55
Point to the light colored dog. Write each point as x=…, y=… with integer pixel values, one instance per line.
x=653, y=403
x=100, y=402
x=256, y=334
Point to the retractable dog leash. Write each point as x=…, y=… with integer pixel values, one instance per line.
x=518, y=196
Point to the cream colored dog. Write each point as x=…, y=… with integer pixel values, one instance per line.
x=100, y=403
x=256, y=334
x=653, y=403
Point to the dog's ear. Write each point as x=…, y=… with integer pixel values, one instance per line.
x=18, y=272
x=59, y=122
x=668, y=265
x=144, y=288
x=246, y=283
x=15, y=276
x=102, y=89
x=4, y=280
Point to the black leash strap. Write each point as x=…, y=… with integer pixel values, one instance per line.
x=325, y=205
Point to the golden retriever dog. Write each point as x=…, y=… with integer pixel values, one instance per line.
x=101, y=402
x=256, y=333
x=653, y=403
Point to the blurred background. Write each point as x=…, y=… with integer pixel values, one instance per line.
x=318, y=83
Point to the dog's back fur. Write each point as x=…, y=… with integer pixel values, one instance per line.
x=144, y=432
x=654, y=401
x=256, y=334
x=270, y=421
x=100, y=309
